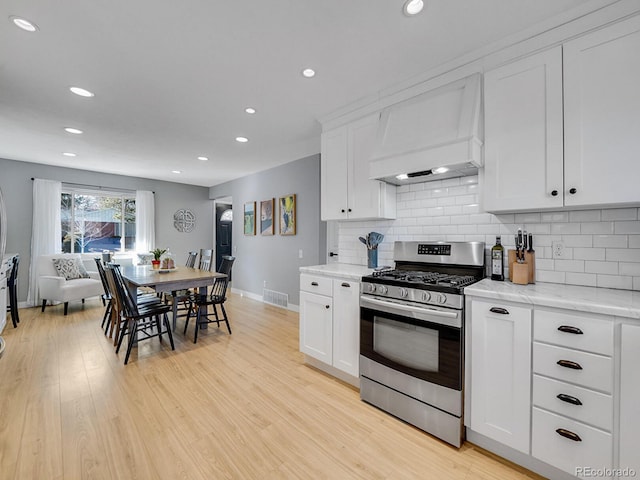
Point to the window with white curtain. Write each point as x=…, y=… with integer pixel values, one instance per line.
x=96, y=220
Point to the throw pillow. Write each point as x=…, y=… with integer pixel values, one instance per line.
x=70, y=268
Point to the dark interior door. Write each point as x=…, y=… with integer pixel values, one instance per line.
x=223, y=232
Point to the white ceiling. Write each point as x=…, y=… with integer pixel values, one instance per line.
x=172, y=78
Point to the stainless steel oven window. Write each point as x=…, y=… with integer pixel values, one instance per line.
x=408, y=345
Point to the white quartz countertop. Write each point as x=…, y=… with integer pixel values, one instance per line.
x=621, y=303
x=342, y=270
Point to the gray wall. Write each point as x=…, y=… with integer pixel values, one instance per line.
x=16, y=185
x=275, y=259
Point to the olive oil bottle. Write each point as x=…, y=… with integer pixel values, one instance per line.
x=497, y=260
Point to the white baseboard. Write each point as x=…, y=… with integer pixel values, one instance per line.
x=255, y=296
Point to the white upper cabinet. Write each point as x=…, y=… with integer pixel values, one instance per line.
x=345, y=189
x=602, y=116
x=589, y=88
x=523, y=134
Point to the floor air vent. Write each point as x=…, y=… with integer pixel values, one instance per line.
x=278, y=299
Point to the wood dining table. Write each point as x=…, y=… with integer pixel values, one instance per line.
x=167, y=281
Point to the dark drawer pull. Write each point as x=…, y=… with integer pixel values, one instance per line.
x=501, y=311
x=569, y=329
x=327, y=307
x=569, y=399
x=569, y=364
x=314, y=284
x=568, y=434
x=345, y=284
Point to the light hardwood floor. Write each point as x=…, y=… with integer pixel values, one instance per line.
x=241, y=406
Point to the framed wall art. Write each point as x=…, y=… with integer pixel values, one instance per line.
x=287, y=214
x=267, y=226
x=250, y=218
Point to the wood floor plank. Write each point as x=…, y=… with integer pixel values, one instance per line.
x=240, y=406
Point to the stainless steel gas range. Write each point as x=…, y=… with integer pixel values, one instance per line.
x=411, y=334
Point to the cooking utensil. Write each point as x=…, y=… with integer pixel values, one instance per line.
x=363, y=240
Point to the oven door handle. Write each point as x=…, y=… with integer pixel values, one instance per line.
x=408, y=308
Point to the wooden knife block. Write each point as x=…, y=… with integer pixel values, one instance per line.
x=526, y=272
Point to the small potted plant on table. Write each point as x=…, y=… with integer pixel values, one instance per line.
x=157, y=253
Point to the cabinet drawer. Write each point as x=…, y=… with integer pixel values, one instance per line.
x=316, y=284
x=573, y=401
x=574, y=331
x=488, y=309
x=595, y=371
x=593, y=450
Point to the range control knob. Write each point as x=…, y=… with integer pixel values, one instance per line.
x=382, y=289
x=371, y=287
x=441, y=298
x=426, y=296
x=404, y=292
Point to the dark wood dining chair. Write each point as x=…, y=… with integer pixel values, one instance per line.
x=12, y=285
x=142, y=321
x=206, y=256
x=217, y=296
x=107, y=298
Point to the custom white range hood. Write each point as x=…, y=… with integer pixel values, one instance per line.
x=432, y=136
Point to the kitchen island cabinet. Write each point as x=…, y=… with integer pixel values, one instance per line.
x=567, y=118
x=346, y=193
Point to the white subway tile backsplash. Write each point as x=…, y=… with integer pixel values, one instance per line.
x=596, y=227
x=555, y=217
x=608, y=268
x=615, y=281
x=584, y=216
x=569, y=265
x=577, y=240
x=527, y=218
x=565, y=228
x=620, y=214
x=549, y=276
x=611, y=241
x=602, y=247
x=586, y=279
x=589, y=253
x=627, y=227
x=622, y=255
x=632, y=269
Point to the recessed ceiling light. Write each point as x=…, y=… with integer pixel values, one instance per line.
x=204, y=159
x=24, y=24
x=82, y=92
x=176, y=171
x=402, y=176
x=68, y=154
x=242, y=139
x=308, y=72
x=440, y=170
x=412, y=7
x=75, y=131
x=250, y=110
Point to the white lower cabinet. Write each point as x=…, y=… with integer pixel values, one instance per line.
x=568, y=445
x=501, y=372
x=330, y=321
x=572, y=420
x=316, y=326
x=629, y=398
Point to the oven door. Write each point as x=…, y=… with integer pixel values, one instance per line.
x=421, y=341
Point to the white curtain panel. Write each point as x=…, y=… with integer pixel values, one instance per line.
x=46, y=233
x=145, y=221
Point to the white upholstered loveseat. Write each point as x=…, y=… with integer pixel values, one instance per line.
x=55, y=288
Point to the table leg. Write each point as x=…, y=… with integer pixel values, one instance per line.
x=203, y=309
